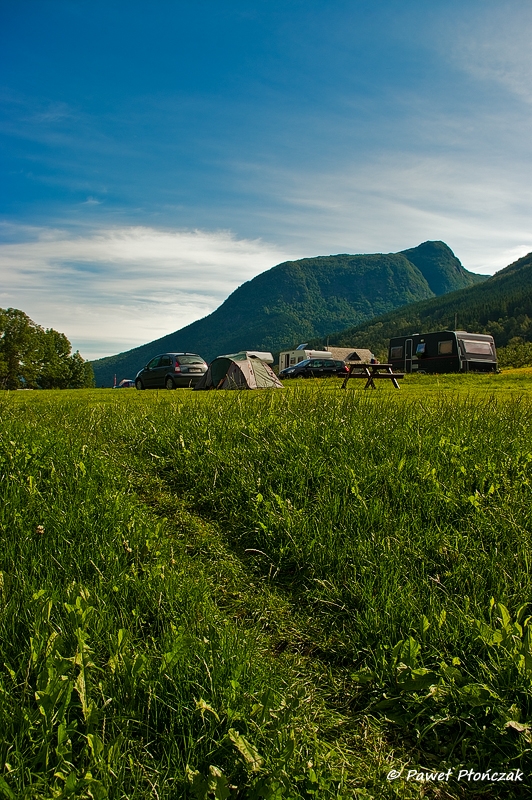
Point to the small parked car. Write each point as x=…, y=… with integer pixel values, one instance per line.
x=127, y=383
x=170, y=370
x=315, y=368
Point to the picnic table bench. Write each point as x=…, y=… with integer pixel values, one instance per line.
x=370, y=372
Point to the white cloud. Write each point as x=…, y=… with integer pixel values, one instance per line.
x=474, y=193
x=117, y=288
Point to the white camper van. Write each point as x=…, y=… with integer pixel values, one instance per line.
x=288, y=358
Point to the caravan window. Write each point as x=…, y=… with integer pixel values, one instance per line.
x=477, y=348
x=421, y=349
x=445, y=348
x=396, y=352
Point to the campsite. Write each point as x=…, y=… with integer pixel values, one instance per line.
x=267, y=594
x=265, y=400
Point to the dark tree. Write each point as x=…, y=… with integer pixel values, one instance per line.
x=32, y=357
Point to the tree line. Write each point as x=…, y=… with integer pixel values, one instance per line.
x=32, y=357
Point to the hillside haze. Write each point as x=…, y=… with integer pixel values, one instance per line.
x=300, y=300
x=500, y=306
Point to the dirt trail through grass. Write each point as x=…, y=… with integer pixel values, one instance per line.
x=264, y=595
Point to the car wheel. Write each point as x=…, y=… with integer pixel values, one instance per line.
x=138, y=384
x=169, y=383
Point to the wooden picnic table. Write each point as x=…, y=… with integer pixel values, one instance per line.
x=370, y=372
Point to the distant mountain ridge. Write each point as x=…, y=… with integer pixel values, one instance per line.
x=299, y=300
x=501, y=306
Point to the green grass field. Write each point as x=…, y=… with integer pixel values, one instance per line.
x=277, y=594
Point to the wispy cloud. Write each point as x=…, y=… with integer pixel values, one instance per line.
x=481, y=208
x=115, y=288
x=492, y=43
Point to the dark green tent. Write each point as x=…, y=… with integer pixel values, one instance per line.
x=239, y=371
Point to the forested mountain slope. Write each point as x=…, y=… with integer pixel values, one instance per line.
x=501, y=305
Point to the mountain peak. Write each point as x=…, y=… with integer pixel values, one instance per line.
x=500, y=306
x=440, y=267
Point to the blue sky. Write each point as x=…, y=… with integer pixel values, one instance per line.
x=155, y=155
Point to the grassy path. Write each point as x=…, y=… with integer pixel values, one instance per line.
x=264, y=595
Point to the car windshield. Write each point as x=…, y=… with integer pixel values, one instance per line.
x=304, y=363
x=190, y=360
